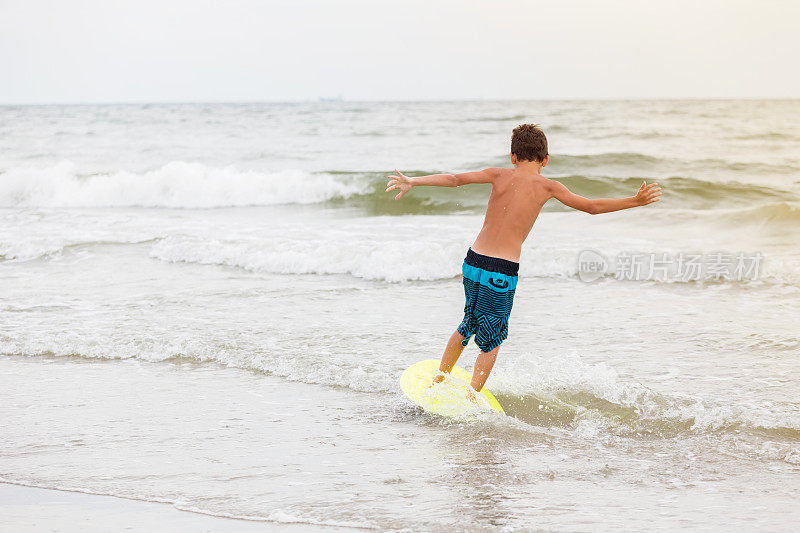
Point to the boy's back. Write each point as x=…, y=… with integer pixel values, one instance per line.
x=518, y=195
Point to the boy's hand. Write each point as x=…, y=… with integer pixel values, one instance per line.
x=401, y=182
x=648, y=193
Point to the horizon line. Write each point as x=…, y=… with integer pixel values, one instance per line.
x=342, y=100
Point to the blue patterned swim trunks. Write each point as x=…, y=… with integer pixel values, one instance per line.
x=489, y=285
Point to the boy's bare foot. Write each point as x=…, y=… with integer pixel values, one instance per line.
x=473, y=395
x=438, y=378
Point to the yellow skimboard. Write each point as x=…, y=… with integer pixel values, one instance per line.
x=448, y=398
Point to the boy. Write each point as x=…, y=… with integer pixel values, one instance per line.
x=491, y=266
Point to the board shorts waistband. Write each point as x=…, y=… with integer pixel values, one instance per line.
x=492, y=264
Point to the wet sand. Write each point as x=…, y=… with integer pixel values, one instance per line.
x=32, y=509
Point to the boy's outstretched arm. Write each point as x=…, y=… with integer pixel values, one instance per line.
x=404, y=183
x=647, y=194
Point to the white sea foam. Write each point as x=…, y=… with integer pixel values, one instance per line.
x=175, y=185
x=387, y=260
x=396, y=260
x=591, y=398
x=26, y=235
x=561, y=384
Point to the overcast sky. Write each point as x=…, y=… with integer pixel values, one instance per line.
x=197, y=50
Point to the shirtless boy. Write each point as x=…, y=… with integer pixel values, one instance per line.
x=492, y=263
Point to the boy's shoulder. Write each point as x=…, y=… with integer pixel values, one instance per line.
x=502, y=172
x=537, y=178
x=497, y=172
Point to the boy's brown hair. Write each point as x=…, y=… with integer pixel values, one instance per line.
x=529, y=143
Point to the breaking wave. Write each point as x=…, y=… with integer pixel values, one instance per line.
x=387, y=260
x=564, y=392
x=407, y=260
x=567, y=392
x=193, y=185
x=175, y=185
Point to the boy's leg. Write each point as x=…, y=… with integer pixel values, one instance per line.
x=483, y=366
x=451, y=354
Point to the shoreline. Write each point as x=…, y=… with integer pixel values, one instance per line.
x=26, y=508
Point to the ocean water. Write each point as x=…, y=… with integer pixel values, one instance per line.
x=210, y=305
